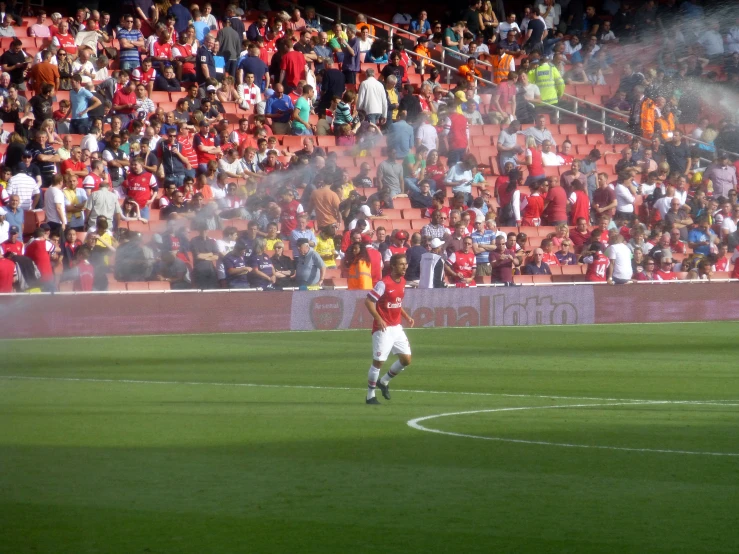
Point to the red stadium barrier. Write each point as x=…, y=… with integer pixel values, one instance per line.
x=63, y=315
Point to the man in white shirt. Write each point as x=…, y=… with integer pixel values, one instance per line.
x=4, y=228
x=26, y=187
x=426, y=134
x=619, y=270
x=712, y=42
x=508, y=25
x=550, y=13
x=549, y=158
x=365, y=43
x=54, y=209
x=83, y=67
x=251, y=95
x=371, y=98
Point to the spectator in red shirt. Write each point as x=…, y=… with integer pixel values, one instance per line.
x=549, y=258
x=665, y=273
x=124, y=103
x=555, y=203
x=292, y=67
x=75, y=166
x=460, y=265
x=580, y=235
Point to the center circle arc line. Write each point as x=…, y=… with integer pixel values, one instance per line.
x=416, y=424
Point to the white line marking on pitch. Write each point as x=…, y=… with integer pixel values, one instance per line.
x=317, y=387
x=415, y=424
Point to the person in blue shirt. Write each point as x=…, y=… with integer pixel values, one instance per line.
x=253, y=64
x=702, y=237
x=279, y=110
x=201, y=26
x=421, y=25
x=182, y=16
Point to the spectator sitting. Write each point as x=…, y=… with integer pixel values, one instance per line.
x=537, y=266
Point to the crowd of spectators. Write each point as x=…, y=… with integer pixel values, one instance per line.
x=170, y=144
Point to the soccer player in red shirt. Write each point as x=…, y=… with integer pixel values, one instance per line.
x=385, y=304
x=597, y=263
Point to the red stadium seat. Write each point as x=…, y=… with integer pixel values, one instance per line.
x=133, y=285
x=401, y=203
x=541, y=279
x=523, y=279
x=572, y=269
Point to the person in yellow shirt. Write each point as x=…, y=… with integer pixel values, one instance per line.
x=271, y=238
x=392, y=95
x=325, y=246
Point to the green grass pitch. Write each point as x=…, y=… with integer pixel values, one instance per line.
x=147, y=445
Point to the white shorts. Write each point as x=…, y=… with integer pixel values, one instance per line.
x=390, y=341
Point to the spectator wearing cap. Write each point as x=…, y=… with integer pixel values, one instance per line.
x=397, y=246
x=309, y=267
x=12, y=243
x=432, y=266
x=22, y=185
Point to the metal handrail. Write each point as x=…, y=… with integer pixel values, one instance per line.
x=448, y=67
x=605, y=110
x=457, y=53
x=391, y=27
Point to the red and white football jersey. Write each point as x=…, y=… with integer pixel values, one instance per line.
x=462, y=263
x=388, y=295
x=143, y=77
x=139, y=187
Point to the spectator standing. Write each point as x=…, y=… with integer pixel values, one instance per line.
x=723, y=175
x=130, y=40
x=390, y=174
x=54, y=205
x=309, y=267
x=372, y=98
x=292, y=67
x=325, y=203
x=619, y=269
x=81, y=102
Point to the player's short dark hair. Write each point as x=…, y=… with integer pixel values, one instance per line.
x=394, y=259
